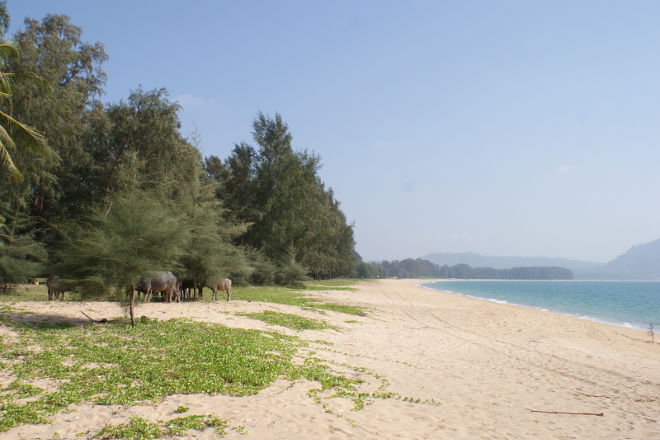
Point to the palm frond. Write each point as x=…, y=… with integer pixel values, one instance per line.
x=5, y=139
x=6, y=80
x=30, y=78
x=8, y=163
x=33, y=139
x=8, y=49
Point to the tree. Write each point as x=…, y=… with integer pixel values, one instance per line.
x=237, y=182
x=137, y=232
x=53, y=50
x=292, y=217
x=21, y=256
x=210, y=254
x=14, y=133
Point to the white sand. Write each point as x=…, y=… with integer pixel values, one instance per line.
x=478, y=367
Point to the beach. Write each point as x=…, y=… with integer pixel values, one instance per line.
x=454, y=367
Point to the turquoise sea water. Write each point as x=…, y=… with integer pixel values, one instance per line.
x=632, y=304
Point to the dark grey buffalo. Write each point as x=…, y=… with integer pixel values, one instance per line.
x=190, y=288
x=163, y=282
x=224, y=284
x=56, y=287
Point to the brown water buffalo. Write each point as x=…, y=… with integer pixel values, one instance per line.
x=224, y=284
x=164, y=282
x=56, y=287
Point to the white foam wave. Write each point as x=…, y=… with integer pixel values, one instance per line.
x=574, y=315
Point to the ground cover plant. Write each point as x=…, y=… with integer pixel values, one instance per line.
x=289, y=320
x=114, y=363
x=294, y=297
x=333, y=284
x=24, y=292
x=140, y=429
x=33, y=292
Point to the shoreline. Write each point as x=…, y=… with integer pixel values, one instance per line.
x=463, y=369
x=613, y=322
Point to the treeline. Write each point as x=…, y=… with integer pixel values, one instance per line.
x=116, y=189
x=419, y=268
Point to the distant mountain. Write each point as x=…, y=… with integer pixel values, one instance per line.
x=641, y=262
x=477, y=260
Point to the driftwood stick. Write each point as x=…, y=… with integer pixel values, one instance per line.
x=102, y=320
x=88, y=317
x=600, y=414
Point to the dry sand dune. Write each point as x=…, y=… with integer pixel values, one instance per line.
x=475, y=369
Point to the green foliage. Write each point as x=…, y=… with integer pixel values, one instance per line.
x=295, y=221
x=261, y=215
x=136, y=233
x=264, y=270
x=140, y=429
x=21, y=256
x=369, y=270
x=334, y=284
x=14, y=133
x=137, y=429
x=294, y=297
x=147, y=125
x=180, y=425
x=65, y=113
x=289, y=320
x=117, y=364
x=210, y=254
x=237, y=178
x=419, y=268
x=289, y=271
x=343, y=308
x=24, y=293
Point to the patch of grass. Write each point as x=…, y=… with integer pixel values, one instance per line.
x=21, y=390
x=180, y=425
x=339, y=282
x=181, y=409
x=136, y=429
x=25, y=292
x=140, y=429
x=323, y=287
x=343, y=308
x=272, y=294
x=322, y=342
x=33, y=292
x=289, y=320
x=114, y=363
x=294, y=297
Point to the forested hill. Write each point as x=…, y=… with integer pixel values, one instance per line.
x=419, y=268
x=504, y=262
x=102, y=192
x=641, y=262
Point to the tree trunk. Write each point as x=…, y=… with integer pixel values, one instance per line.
x=131, y=306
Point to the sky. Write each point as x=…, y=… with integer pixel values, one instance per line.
x=502, y=127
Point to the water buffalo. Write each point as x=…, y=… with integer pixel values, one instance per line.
x=56, y=287
x=164, y=282
x=189, y=288
x=224, y=284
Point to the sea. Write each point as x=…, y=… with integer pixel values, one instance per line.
x=631, y=304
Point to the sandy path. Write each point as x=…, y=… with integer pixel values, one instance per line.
x=478, y=367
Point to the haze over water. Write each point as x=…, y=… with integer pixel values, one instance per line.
x=632, y=304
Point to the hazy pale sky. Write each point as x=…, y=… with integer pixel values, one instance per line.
x=500, y=127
